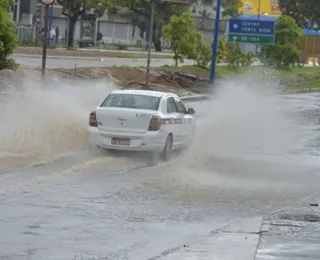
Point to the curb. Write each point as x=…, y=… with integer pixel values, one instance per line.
x=237, y=240
x=85, y=58
x=300, y=91
x=195, y=98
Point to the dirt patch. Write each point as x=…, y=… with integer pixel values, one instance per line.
x=135, y=78
x=125, y=78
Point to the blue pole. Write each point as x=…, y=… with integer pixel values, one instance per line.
x=215, y=42
x=50, y=23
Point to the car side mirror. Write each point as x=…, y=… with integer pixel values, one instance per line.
x=191, y=111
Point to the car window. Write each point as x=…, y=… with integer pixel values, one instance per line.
x=171, y=106
x=132, y=101
x=180, y=106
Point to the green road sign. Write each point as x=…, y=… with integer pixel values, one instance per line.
x=256, y=39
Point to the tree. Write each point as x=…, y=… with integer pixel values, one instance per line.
x=229, y=7
x=74, y=9
x=8, y=35
x=141, y=10
x=183, y=36
x=204, y=54
x=222, y=50
x=285, y=52
x=301, y=11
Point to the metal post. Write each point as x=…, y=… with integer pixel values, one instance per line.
x=259, y=5
x=150, y=42
x=18, y=12
x=215, y=42
x=96, y=31
x=313, y=50
x=44, y=53
x=50, y=24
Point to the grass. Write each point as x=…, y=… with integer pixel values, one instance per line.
x=307, y=77
x=305, y=70
x=313, y=84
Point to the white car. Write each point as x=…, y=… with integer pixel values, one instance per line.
x=142, y=120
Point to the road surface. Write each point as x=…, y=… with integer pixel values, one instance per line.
x=93, y=205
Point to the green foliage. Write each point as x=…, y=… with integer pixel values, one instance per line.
x=301, y=10
x=8, y=35
x=163, y=12
x=233, y=54
x=9, y=64
x=285, y=52
x=204, y=54
x=230, y=7
x=246, y=58
x=183, y=36
x=222, y=50
x=5, y=4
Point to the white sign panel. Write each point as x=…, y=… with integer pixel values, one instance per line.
x=48, y=2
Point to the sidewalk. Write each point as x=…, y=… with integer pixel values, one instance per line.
x=293, y=233
x=237, y=241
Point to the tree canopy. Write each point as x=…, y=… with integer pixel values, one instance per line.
x=302, y=10
x=73, y=9
x=183, y=36
x=8, y=35
x=285, y=51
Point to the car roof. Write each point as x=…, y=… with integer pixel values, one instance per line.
x=142, y=92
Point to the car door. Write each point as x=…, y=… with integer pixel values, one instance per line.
x=173, y=125
x=184, y=120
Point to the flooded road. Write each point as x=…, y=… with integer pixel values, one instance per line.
x=250, y=158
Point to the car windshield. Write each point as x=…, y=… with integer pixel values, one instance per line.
x=132, y=101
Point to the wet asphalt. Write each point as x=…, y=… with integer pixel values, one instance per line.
x=93, y=205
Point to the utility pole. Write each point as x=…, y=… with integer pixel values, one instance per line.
x=150, y=42
x=215, y=42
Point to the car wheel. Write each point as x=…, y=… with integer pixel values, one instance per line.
x=167, y=151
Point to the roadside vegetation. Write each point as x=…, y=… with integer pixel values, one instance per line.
x=8, y=36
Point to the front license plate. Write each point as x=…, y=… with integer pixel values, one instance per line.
x=119, y=141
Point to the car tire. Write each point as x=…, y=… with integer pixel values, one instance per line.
x=167, y=150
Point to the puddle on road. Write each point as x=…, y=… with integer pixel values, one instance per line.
x=44, y=121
